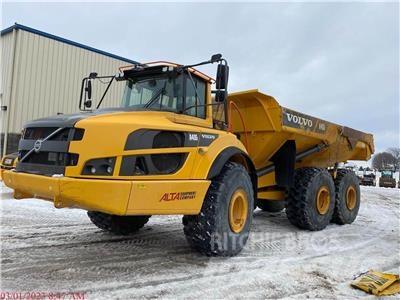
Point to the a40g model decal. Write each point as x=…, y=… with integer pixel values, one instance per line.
x=298, y=120
x=194, y=139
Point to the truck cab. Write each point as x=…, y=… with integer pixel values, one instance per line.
x=387, y=179
x=368, y=178
x=162, y=140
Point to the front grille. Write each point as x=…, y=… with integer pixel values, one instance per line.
x=52, y=157
x=67, y=134
x=36, y=133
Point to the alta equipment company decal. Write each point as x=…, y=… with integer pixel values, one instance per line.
x=298, y=120
x=178, y=196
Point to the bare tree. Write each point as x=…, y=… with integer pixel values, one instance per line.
x=384, y=160
x=396, y=153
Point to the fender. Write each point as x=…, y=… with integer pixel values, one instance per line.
x=232, y=154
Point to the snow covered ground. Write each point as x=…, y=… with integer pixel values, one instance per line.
x=49, y=250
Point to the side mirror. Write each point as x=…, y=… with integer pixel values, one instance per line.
x=219, y=96
x=221, y=82
x=88, y=89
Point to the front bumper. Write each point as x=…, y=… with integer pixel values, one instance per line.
x=365, y=182
x=387, y=184
x=3, y=169
x=119, y=197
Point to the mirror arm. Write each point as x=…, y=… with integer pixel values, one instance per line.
x=105, y=92
x=82, y=98
x=195, y=65
x=203, y=63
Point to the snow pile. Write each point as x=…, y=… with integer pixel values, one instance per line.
x=46, y=249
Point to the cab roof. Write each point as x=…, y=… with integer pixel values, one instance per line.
x=157, y=66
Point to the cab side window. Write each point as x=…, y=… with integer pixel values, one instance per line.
x=191, y=97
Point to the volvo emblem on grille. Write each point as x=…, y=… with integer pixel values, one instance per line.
x=37, y=145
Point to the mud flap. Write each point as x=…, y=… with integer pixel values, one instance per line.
x=377, y=283
x=284, y=161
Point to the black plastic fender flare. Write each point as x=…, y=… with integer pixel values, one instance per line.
x=226, y=155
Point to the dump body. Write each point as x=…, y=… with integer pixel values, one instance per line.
x=264, y=126
x=269, y=125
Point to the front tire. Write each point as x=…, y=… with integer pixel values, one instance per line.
x=121, y=225
x=347, y=202
x=223, y=225
x=311, y=201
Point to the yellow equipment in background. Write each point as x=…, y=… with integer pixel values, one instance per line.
x=8, y=162
x=175, y=146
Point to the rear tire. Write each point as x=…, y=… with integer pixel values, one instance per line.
x=271, y=205
x=311, y=201
x=223, y=225
x=121, y=225
x=347, y=202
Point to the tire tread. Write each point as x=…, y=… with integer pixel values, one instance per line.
x=121, y=225
x=338, y=216
x=199, y=228
x=297, y=206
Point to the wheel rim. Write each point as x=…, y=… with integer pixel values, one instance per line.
x=238, y=209
x=351, y=197
x=323, y=200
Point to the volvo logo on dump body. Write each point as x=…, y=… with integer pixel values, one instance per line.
x=298, y=120
x=37, y=145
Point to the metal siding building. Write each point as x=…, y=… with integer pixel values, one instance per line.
x=41, y=76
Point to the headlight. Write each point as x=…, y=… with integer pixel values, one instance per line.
x=99, y=166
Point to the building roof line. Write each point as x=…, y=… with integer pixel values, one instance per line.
x=17, y=26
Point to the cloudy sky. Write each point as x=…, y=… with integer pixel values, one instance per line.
x=337, y=61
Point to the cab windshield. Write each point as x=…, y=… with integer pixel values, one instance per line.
x=386, y=173
x=165, y=93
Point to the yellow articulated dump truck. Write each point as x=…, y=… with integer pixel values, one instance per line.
x=179, y=144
